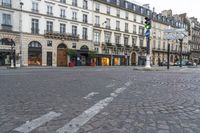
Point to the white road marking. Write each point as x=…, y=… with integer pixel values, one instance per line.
x=75, y=124
x=91, y=95
x=29, y=126
x=110, y=85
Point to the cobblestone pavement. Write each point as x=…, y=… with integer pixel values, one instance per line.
x=151, y=101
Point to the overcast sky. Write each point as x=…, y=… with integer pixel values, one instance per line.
x=191, y=7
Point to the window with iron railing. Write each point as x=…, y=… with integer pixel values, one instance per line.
x=74, y=3
x=97, y=8
x=62, y=1
x=85, y=4
x=49, y=26
x=62, y=28
x=85, y=18
x=85, y=34
x=35, y=7
x=6, y=3
x=50, y=10
x=62, y=13
x=74, y=15
x=35, y=26
x=74, y=30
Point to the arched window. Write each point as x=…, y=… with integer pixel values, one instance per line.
x=34, y=44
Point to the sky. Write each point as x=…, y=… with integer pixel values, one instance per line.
x=191, y=7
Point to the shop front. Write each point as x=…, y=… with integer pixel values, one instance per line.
x=7, y=51
x=34, y=54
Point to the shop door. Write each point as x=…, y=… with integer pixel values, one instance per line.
x=49, y=58
x=61, y=57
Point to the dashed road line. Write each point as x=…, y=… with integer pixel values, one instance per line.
x=30, y=126
x=91, y=95
x=75, y=124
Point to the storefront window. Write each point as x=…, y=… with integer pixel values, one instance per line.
x=105, y=61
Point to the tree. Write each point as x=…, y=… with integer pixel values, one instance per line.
x=71, y=53
x=92, y=54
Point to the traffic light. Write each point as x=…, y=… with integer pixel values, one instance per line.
x=147, y=23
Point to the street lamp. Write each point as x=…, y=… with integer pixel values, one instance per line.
x=20, y=30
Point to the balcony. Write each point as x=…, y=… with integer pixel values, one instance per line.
x=117, y=28
x=50, y=13
x=97, y=10
x=6, y=27
x=35, y=10
x=84, y=37
x=107, y=27
x=58, y=35
x=73, y=18
x=97, y=25
x=126, y=30
x=118, y=15
x=62, y=16
x=85, y=21
x=34, y=31
x=8, y=5
x=74, y=4
x=85, y=7
x=96, y=43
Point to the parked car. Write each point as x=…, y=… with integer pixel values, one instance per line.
x=184, y=63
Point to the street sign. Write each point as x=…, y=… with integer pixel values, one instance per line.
x=147, y=33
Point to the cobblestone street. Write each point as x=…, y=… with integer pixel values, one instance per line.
x=100, y=100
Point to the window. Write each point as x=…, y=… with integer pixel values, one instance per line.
x=97, y=50
x=142, y=20
x=49, y=43
x=49, y=26
x=118, y=13
x=164, y=46
x=127, y=15
x=135, y=18
x=97, y=7
x=35, y=7
x=85, y=4
x=141, y=30
x=108, y=23
x=49, y=10
x=85, y=37
x=108, y=10
x=62, y=28
x=134, y=41
x=62, y=1
x=74, y=30
x=125, y=40
x=96, y=37
x=74, y=2
x=6, y=19
x=117, y=39
x=62, y=13
x=6, y=3
x=35, y=26
x=141, y=42
x=159, y=44
x=85, y=20
x=126, y=27
x=154, y=44
x=97, y=21
x=117, y=25
x=74, y=15
x=73, y=45
x=107, y=37
x=134, y=29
